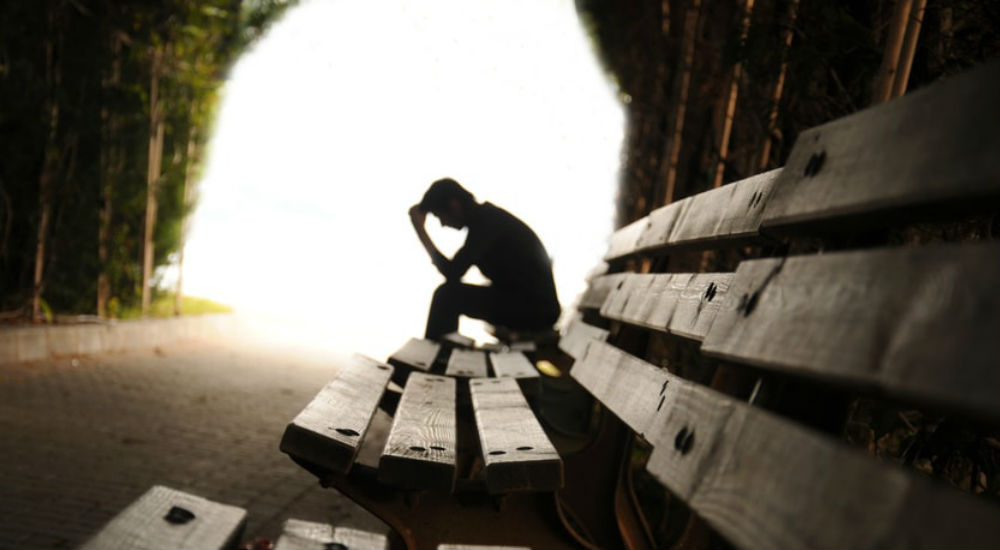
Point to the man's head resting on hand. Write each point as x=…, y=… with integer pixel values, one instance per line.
x=449, y=201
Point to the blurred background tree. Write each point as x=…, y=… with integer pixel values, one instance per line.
x=106, y=109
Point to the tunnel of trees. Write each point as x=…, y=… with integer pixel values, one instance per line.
x=106, y=107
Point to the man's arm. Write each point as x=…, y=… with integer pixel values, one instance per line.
x=451, y=269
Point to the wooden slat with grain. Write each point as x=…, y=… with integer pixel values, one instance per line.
x=683, y=304
x=766, y=482
x=698, y=304
x=919, y=323
x=329, y=431
x=598, y=290
x=513, y=364
x=578, y=335
x=623, y=240
x=661, y=224
x=467, y=364
x=921, y=152
x=416, y=353
x=309, y=535
x=420, y=450
x=517, y=454
x=459, y=340
x=725, y=215
x=630, y=388
x=143, y=525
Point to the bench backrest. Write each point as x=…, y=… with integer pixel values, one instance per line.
x=746, y=332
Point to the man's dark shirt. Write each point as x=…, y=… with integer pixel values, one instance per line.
x=507, y=252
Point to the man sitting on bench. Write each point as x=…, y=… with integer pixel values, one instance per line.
x=522, y=294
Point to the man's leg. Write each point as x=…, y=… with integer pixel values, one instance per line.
x=454, y=299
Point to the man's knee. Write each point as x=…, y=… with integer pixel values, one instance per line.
x=446, y=291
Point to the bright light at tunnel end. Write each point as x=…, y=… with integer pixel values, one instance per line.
x=342, y=116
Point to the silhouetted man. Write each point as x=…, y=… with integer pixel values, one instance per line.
x=521, y=294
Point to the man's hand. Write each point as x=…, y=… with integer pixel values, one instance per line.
x=417, y=216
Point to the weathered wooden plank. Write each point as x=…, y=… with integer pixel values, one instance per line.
x=514, y=364
x=919, y=323
x=459, y=340
x=578, y=335
x=329, y=431
x=620, y=297
x=698, y=304
x=731, y=213
x=630, y=388
x=420, y=450
x=416, y=354
x=374, y=442
x=622, y=242
x=516, y=452
x=929, y=148
x=308, y=535
x=467, y=364
x=678, y=303
x=661, y=224
x=598, y=290
x=766, y=482
x=168, y=518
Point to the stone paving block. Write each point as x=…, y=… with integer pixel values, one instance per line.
x=62, y=340
x=8, y=346
x=90, y=339
x=32, y=344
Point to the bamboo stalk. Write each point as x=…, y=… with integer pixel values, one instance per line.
x=682, y=86
x=152, y=175
x=909, y=48
x=882, y=90
x=734, y=92
x=779, y=86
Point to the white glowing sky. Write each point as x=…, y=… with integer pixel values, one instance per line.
x=336, y=122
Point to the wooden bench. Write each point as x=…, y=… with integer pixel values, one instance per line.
x=168, y=519
x=748, y=348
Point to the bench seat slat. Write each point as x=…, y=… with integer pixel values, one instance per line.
x=765, y=482
x=329, y=431
x=513, y=364
x=578, y=335
x=309, y=535
x=143, y=525
x=920, y=323
x=931, y=147
x=516, y=452
x=420, y=450
x=416, y=354
x=467, y=364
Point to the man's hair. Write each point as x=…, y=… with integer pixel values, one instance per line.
x=441, y=192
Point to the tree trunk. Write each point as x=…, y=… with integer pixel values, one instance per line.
x=152, y=176
x=779, y=86
x=111, y=167
x=189, y=159
x=909, y=48
x=882, y=90
x=682, y=83
x=50, y=163
x=734, y=92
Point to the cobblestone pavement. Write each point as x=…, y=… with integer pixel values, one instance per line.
x=82, y=438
